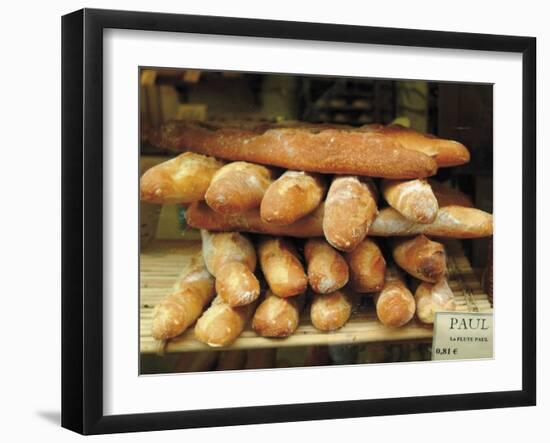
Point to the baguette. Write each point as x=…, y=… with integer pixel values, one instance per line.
x=445, y=152
x=451, y=221
x=276, y=316
x=431, y=298
x=395, y=305
x=367, y=267
x=414, y=199
x=183, y=179
x=281, y=267
x=179, y=309
x=221, y=324
x=447, y=196
x=350, y=208
x=327, y=271
x=421, y=257
x=231, y=258
x=330, y=311
x=314, y=148
x=292, y=196
x=238, y=187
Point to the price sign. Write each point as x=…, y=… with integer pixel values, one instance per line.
x=462, y=335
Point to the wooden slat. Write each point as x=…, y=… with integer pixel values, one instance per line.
x=162, y=262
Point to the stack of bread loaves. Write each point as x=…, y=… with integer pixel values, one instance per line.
x=308, y=191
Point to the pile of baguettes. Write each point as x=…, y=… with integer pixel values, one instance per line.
x=307, y=187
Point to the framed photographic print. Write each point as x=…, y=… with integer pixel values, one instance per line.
x=270, y=221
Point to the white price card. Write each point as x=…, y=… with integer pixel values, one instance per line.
x=462, y=335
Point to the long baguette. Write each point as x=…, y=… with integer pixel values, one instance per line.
x=367, y=267
x=421, y=257
x=395, y=305
x=281, y=267
x=327, y=271
x=183, y=179
x=276, y=316
x=431, y=298
x=350, y=208
x=445, y=152
x=231, y=258
x=414, y=199
x=221, y=324
x=179, y=309
x=330, y=311
x=238, y=187
x=451, y=221
x=292, y=196
x=323, y=149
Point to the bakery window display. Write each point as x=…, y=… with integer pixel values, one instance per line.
x=313, y=235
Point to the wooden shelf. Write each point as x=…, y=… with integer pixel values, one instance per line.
x=162, y=262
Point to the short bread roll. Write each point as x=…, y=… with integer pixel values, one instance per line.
x=238, y=187
x=281, y=267
x=183, y=179
x=367, y=267
x=350, y=208
x=327, y=270
x=292, y=196
x=421, y=257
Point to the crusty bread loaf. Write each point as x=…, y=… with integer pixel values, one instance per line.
x=238, y=187
x=281, y=267
x=431, y=298
x=445, y=152
x=179, y=309
x=451, y=221
x=231, y=258
x=350, y=208
x=414, y=199
x=327, y=271
x=292, y=196
x=220, y=248
x=395, y=305
x=367, y=267
x=330, y=311
x=421, y=257
x=276, y=316
x=221, y=324
x=183, y=179
x=314, y=148
x=236, y=284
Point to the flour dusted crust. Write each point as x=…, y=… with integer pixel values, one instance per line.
x=395, y=304
x=327, y=271
x=431, y=298
x=276, y=316
x=421, y=257
x=367, y=267
x=304, y=147
x=414, y=199
x=330, y=312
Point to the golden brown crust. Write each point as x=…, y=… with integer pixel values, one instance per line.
x=447, y=196
x=314, y=148
x=237, y=285
x=350, y=208
x=421, y=257
x=238, y=187
x=327, y=271
x=395, y=305
x=281, y=267
x=445, y=152
x=414, y=199
x=330, y=311
x=292, y=196
x=183, y=179
x=367, y=267
x=175, y=312
x=451, y=221
x=276, y=316
x=221, y=248
x=221, y=324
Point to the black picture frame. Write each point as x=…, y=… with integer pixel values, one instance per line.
x=82, y=218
